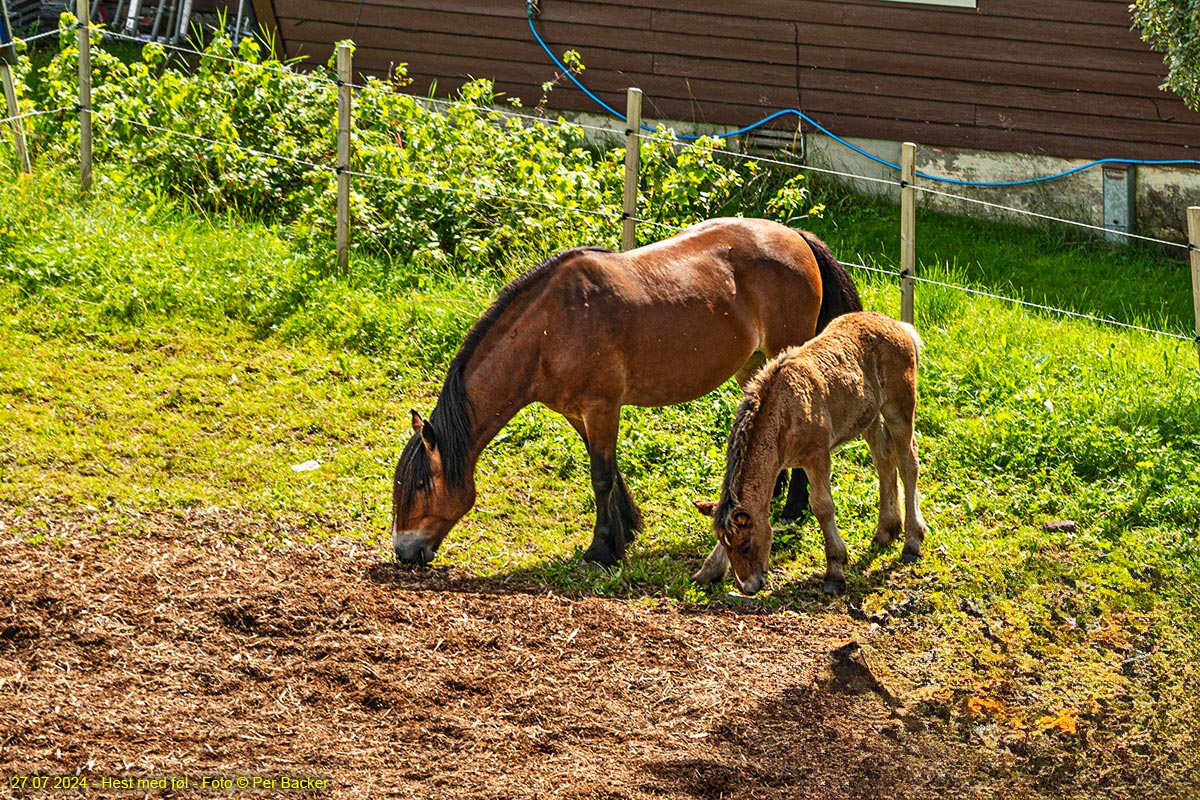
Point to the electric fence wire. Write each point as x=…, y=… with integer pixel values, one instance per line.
x=282, y=69
x=796, y=165
x=892, y=273
x=1048, y=217
x=104, y=115
x=42, y=35
x=475, y=192
x=540, y=120
x=30, y=114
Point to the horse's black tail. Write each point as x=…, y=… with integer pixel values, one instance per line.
x=839, y=295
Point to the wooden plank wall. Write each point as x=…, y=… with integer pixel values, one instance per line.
x=1065, y=78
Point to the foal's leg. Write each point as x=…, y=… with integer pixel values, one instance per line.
x=821, y=500
x=617, y=516
x=884, y=456
x=900, y=424
x=715, y=567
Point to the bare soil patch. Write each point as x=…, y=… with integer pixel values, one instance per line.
x=188, y=652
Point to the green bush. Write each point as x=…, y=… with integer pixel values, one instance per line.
x=459, y=185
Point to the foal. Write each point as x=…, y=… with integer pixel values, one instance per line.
x=858, y=377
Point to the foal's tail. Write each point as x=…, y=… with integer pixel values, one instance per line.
x=916, y=338
x=839, y=295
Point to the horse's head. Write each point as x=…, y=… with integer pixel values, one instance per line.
x=746, y=538
x=425, y=505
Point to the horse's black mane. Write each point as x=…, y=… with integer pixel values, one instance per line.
x=451, y=417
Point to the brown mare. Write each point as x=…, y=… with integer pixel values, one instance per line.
x=858, y=377
x=589, y=331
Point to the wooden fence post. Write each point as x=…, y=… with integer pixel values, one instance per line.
x=82, y=13
x=633, y=157
x=8, y=57
x=908, y=229
x=345, y=75
x=1193, y=217
x=14, y=111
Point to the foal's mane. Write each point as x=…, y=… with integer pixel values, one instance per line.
x=741, y=432
x=451, y=417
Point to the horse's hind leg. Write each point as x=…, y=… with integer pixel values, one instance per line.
x=821, y=500
x=797, y=498
x=900, y=425
x=617, y=516
x=884, y=456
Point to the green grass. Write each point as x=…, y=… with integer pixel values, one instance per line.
x=156, y=361
x=1049, y=263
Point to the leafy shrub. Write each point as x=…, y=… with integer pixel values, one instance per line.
x=206, y=133
x=458, y=185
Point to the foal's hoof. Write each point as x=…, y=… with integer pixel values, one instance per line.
x=835, y=586
x=910, y=555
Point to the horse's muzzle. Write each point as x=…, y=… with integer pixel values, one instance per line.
x=411, y=548
x=752, y=585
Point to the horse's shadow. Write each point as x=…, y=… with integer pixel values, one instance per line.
x=806, y=593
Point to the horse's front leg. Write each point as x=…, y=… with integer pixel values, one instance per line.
x=716, y=566
x=617, y=516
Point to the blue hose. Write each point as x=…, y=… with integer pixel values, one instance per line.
x=531, y=7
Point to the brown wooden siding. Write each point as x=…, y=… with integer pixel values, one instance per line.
x=1064, y=78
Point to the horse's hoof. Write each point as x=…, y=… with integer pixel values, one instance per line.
x=789, y=519
x=835, y=585
x=600, y=555
x=884, y=536
x=909, y=556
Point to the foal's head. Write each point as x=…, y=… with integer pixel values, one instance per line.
x=426, y=502
x=745, y=535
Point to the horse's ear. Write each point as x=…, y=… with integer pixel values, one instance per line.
x=740, y=519
x=424, y=430
x=704, y=507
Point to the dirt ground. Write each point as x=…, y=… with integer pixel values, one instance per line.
x=180, y=657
